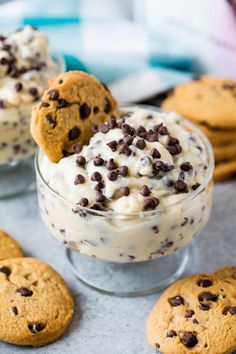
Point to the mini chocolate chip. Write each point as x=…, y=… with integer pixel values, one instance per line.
x=163, y=130
x=98, y=206
x=18, y=86
x=152, y=137
x=161, y=166
x=181, y=186
x=74, y=133
x=141, y=132
x=44, y=104
x=195, y=186
x=127, y=129
x=112, y=175
x=174, y=149
x=195, y=321
x=155, y=228
x=94, y=128
x=140, y=144
x=204, y=307
x=184, y=222
x=98, y=161
x=189, y=313
x=204, y=283
x=120, y=123
x=5, y=270
x=107, y=106
x=36, y=327
x=100, y=197
x=83, y=202
x=157, y=127
x=96, y=176
x=145, y=191
x=95, y=110
x=99, y=186
x=123, y=171
x=111, y=165
x=80, y=160
x=14, y=310
x=33, y=91
x=60, y=81
x=125, y=150
x=127, y=140
x=52, y=122
x=77, y=148
x=103, y=128
x=186, y=166
x=61, y=103
x=176, y=300
x=171, y=334
x=53, y=95
x=112, y=145
x=225, y=310
x=84, y=111
x=172, y=140
x=79, y=179
x=155, y=154
x=112, y=123
x=189, y=339
x=125, y=191
x=232, y=310
x=150, y=203
x=25, y=292
x=207, y=296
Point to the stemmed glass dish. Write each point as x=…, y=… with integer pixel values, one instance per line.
x=127, y=254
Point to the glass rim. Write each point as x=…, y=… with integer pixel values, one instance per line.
x=110, y=213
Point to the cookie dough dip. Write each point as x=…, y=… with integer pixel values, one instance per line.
x=25, y=67
x=140, y=189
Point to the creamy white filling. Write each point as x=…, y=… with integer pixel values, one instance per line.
x=120, y=237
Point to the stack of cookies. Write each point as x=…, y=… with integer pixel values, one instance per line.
x=210, y=103
x=36, y=305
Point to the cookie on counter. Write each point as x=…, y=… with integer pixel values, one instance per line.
x=74, y=104
x=9, y=248
x=196, y=314
x=225, y=170
x=36, y=306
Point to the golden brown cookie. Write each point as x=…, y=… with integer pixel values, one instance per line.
x=225, y=170
x=219, y=136
x=208, y=100
x=196, y=315
x=225, y=152
x=9, y=248
x=72, y=104
x=36, y=306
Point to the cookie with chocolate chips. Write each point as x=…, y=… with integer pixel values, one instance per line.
x=208, y=100
x=196, y=314
x=36, y=306
x=9, y=248
x=73, y=103
x=225, y=170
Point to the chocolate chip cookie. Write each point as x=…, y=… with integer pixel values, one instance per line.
x=9, y=248
x=208, y=100
x=74, y=104
x=196, y=314
x=225, y=170
x=36, y=306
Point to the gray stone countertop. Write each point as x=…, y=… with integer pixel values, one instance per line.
x=103, y=324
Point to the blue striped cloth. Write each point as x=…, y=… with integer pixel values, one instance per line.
x=112, y=48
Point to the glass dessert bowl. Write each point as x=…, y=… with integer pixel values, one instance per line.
x=25, y=67
x=133, y=252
